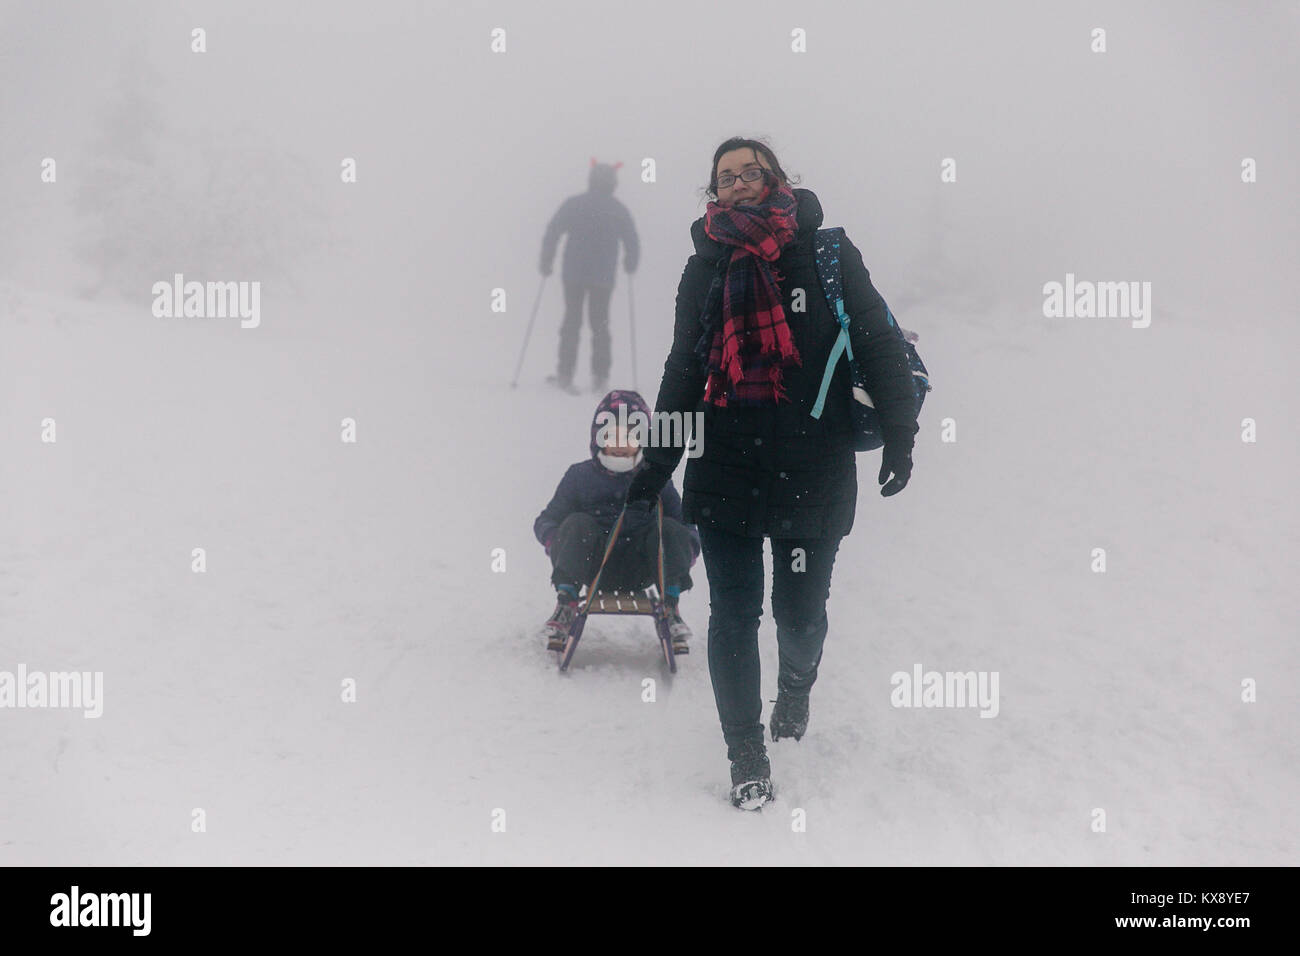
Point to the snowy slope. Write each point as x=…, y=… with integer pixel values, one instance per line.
x=373, y=561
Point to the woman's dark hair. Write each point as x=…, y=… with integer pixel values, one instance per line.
x=759, y=147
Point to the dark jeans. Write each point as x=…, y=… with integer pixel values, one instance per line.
x=734, y=566
x=598, y=312
x=580, y=541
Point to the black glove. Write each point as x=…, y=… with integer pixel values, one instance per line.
x=647, y=483
x=546, y=268
x=896, y=459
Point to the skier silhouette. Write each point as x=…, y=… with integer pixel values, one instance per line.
x=595, y=222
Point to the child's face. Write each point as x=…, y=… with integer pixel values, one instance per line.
x=622, y=447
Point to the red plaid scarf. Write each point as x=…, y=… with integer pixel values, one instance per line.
x=754, y=343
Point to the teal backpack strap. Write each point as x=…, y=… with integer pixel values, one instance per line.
x=827, y=246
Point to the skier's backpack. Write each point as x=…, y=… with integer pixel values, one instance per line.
x=867, y=432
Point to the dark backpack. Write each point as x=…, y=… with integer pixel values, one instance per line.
x=866, y=423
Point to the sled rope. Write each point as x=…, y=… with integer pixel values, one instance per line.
x=613, y=539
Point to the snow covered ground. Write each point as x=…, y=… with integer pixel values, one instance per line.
x=373, y=561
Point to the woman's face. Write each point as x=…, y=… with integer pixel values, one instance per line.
x=736, y=162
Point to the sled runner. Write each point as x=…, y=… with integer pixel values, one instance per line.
x=647, y=601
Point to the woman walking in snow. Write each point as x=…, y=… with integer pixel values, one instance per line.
x=768, y=468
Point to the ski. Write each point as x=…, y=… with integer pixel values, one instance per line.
x=568, y=388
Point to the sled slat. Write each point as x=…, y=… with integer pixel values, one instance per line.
x=606, y=602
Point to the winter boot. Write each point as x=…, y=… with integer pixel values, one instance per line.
x=789, y=716
x=751, y=776
x=677, y=629
x=557, y=628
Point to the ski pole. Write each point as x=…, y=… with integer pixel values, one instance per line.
x=528, y=334
x=631, y=318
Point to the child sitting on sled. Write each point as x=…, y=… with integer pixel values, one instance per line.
x=575, y=527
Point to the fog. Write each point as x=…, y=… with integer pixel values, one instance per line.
x=373, y=561
x=1117, y=164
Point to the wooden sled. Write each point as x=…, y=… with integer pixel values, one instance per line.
x=647, y=601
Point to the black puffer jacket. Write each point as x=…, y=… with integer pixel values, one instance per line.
x=596, y=222
x=777, y=471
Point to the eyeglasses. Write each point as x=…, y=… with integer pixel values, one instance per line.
x=751, y=175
